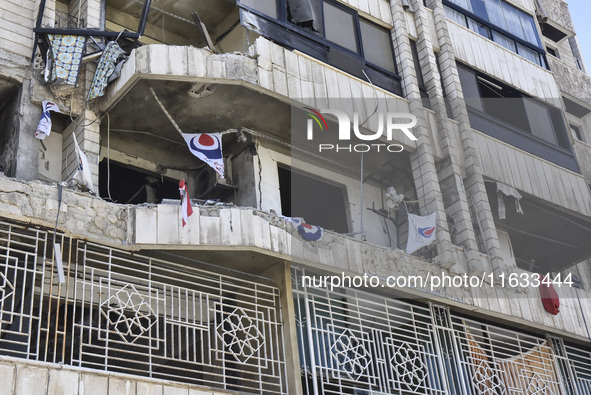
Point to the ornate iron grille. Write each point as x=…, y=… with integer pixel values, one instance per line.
x=352, y=342
x=135, y=314
x=498, y=361
x=355, y=342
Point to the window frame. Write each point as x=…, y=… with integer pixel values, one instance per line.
x=322, y=46
x=492, y=27
x=526, y=140
x=576, y=130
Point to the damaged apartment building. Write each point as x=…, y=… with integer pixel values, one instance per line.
x=322, y=143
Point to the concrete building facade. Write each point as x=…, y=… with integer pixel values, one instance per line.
x=475, y=112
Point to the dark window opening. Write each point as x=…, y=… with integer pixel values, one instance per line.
x=9, y=100
x=575, y=109
x=543, y=238
x=330, y=32
x=445, y=96
x=129, y=186
x=552, y=33
x=510, y=115
x=500, y=22
x=552, y=52
x=421, y=80
x=318, y=202
x=576, y=131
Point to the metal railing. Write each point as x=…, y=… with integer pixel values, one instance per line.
x=355, y=342
x=135, y=314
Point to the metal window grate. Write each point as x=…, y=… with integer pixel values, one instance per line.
x=134, y=314
x=63, y=20
x=354, y=342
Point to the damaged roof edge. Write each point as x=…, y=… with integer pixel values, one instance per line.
x=180, y=63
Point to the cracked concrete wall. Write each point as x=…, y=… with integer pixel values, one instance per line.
x=81, y=215
x=87, y=217
x=575, y=82
x=557, y=11
x=158, y=227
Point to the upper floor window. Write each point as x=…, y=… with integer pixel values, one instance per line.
x=507, y=114
x=332, y=33
x=500, y=22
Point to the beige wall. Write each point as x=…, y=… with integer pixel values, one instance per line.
x=20, y=377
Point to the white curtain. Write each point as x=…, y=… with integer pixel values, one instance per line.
x=465, y=4
x=495, y=13
x=455, y=16
x=513, y=20
x=505, y=41
x=529, y=28
x=529, y=54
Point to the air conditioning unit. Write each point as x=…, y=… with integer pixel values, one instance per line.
x=210, y=185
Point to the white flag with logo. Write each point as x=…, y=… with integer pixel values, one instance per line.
x=83, y=171
x=421, y=231
x=208, y=148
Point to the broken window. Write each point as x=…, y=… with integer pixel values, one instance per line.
x=126, y=185
x=318, y=201
x=340, y=36
x=306, y=14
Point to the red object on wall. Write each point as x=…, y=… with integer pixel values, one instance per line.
x=550, y=298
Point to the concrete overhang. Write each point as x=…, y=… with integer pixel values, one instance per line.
x=206, y=92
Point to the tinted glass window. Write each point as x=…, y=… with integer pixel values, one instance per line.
x=529, y=54
x=502, y=15
x=504, y=41
x=470, y=88
x=267, y=7
x=539, y=120
x=376, y=45
x=455, y=16
x=339, y=27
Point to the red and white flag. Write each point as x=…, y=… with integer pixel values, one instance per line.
x=208, y=148
x=186, y=209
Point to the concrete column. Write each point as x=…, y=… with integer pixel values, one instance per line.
x=474, y=187
x=26, y=159
x=281, y=275
x=423, y=159
x=450, y=169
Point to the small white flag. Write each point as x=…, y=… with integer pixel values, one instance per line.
x=44, y=127
x=58, y=262
x=208, y=148
x=186, y=209
x=83, y=172
x=421, y=231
